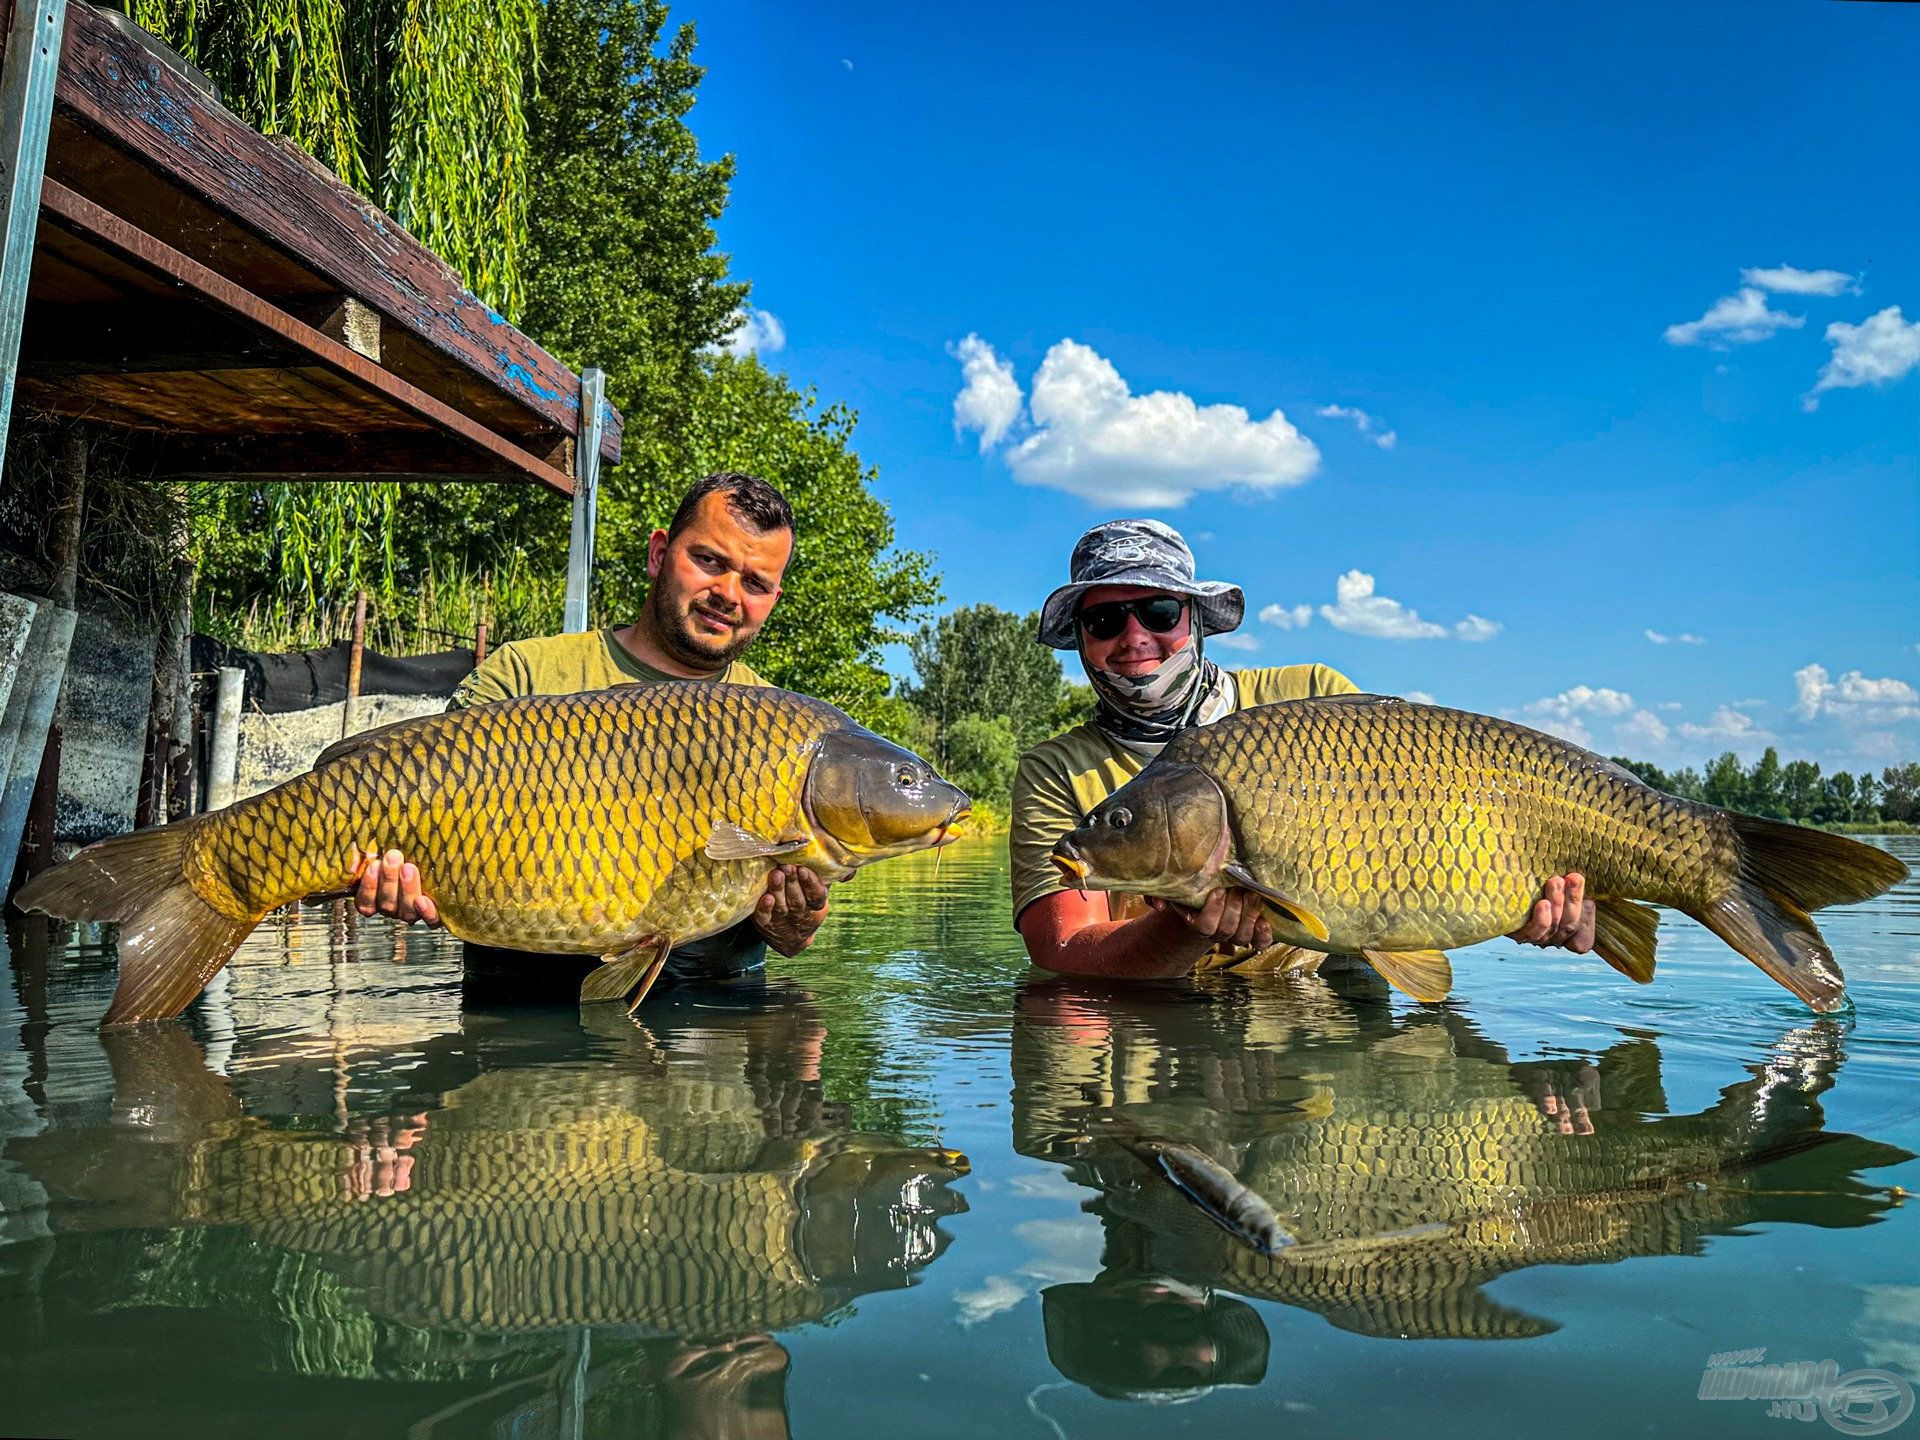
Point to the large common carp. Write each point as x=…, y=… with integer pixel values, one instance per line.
x=618, y=823
x=1398, y=831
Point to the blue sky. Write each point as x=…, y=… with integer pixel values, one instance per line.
x=1491, y=228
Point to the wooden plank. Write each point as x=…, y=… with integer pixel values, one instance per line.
x=103, y=227
x=123, y=92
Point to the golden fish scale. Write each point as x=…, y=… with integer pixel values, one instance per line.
x=568, y=823
x=1411, y=826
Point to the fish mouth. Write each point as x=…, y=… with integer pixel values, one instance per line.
x=1072, y=865
x=950, y=828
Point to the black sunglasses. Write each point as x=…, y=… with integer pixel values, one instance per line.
x=1158, y=613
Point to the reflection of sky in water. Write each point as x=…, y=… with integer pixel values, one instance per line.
x=317, y=1038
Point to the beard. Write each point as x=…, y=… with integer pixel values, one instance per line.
x=681, y=638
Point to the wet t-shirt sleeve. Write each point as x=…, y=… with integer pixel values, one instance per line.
x=1044, y=809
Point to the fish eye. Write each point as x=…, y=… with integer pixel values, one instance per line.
x=1119, y=819
x=905, y=775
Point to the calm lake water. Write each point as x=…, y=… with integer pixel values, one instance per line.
x=911, y=1188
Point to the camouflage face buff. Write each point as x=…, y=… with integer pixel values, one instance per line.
x=1149, y=710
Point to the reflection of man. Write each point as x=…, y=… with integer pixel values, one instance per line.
x=1139, y=618
x=716, y=571
x=1137, y=1337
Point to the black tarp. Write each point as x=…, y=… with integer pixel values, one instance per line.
x=306, y=678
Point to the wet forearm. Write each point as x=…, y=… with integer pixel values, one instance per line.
x=1158, y=945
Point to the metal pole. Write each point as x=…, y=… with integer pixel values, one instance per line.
x=586, y=498
x=223, y=759
x=26, y=114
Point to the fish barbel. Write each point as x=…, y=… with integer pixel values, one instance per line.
x=617, y=823
x=1398, y=831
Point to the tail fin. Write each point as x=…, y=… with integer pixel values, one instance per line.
x=172, y=942
x=1787, y=871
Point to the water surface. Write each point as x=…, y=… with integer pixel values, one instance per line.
x=912, y=1187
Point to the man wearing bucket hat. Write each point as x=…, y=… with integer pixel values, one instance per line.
x=1139, y=618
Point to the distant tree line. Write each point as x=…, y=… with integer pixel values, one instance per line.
x=986, y=690
x=1793, y=791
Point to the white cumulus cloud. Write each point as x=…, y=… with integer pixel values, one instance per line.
x=1853, y=697
x=1368, y=425
x=1683, y=638
x=1089, y=435
x=1358, y=610
x=1287, y=617
x=1642, y=727
x=989, y=401
x=1234, y=640
x=1791, y=280
x=1583, y=700
x=1419, y=697
x=1740, y=319
x=1727, y=724
x=1878, y=351
x=755, y=332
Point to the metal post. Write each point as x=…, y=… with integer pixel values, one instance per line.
x=26, y=114
x=586, y=498
x=223, y=759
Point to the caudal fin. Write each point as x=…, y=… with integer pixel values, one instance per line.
x=172, y=942
x=1786, y=873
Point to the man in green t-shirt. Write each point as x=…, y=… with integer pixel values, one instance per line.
x=1138, y=617
x=715, y=570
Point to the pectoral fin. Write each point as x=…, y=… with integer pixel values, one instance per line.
x=731, y=842
x=629, y=972
x=1426, y=975
x=1624, y=936
x=1238, y=874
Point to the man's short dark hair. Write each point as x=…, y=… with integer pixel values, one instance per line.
x=752, y=500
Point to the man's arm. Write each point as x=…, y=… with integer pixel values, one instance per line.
x=1069, y=933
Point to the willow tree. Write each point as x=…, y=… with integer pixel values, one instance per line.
x=420, y=105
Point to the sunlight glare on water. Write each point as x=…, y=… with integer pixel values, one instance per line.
x=912, y=1187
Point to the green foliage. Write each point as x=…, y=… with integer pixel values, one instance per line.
x=980, y=755
x=989, y=690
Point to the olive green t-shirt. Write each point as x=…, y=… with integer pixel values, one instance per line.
x=568, y=665
x=1061, y=779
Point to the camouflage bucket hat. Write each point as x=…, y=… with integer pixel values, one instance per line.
x=1137, y=552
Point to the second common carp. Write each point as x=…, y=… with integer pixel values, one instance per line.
x=1397, y=831
x=617, y=823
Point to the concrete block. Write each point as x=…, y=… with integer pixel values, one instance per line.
x=16, y=627
x=29, y=713
x=103, y=740
x=274, y=748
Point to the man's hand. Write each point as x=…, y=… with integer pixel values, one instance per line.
x=390, y=886
x=792, y=908
x=1561, y=916
x=1230, y=916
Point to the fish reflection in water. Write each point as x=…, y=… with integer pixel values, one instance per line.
x=685, y=1187
x=1408, y=1159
